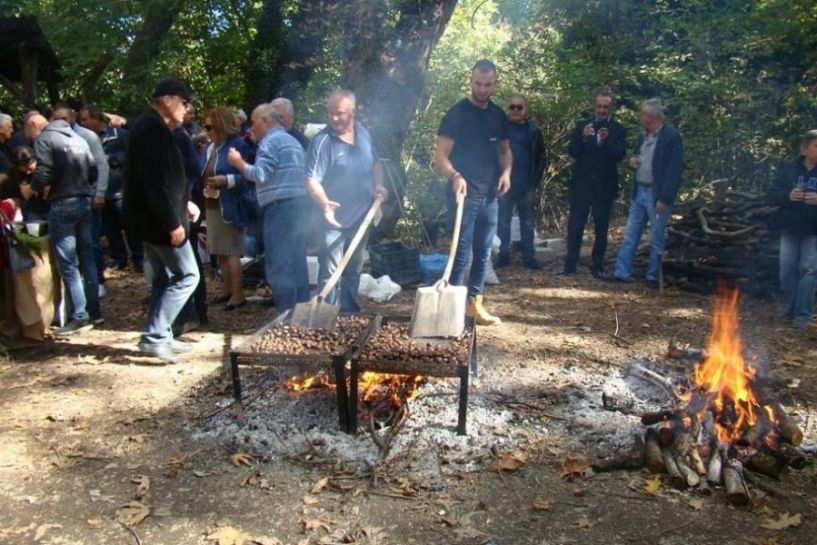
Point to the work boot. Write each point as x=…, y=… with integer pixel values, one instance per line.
x=475, y=309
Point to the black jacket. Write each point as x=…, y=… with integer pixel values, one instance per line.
x=595, y=172
x=538, y=154
x=155, y=189
x=795, y=217
x=114, y=142
x=667, y=164
x=64, y=163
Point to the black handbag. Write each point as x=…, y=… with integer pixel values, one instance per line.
x=19, y=256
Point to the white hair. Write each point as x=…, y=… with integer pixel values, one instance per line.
x=653, y=108
x=284, y=104
x=338, y=94
x=4, y=118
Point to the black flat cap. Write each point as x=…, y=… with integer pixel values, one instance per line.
x=172, y=86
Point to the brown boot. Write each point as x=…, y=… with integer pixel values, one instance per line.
x=482, y=317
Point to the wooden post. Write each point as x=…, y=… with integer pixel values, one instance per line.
x=29, y=67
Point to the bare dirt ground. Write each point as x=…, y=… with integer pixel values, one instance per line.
x=88, y=426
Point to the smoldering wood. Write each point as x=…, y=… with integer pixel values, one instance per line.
x=789, y=429
x=736, y=490
x=654, y=460
x=692, y=479
x=666, y=435
x=696, y=461
x=765, y=485
x=631, y=457
x=651, y=418
x=714, y=470
x=676, y=478
x=791, y=455
x=766, y=464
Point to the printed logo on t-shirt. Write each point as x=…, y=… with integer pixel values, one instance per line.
x=810, y=185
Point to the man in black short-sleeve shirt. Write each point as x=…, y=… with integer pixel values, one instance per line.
x=473, y=152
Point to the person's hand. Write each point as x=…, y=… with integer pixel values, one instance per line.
x=116, y=120
x=26, y=192
x=99, y=203
x=797, y=194
x=329, y=208
x=588, y=131
x=460, y=187
x=810, y=198
x=504, y=185
x=235, y=159
x=177, y=236
x=203, y=238
x=604, y=132
x=217, y=182
x=659, y=208
x=381, y=192
x=634, y=162
x=193, y=212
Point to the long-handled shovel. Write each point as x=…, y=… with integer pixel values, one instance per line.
x=439, y=310
x=317, y=313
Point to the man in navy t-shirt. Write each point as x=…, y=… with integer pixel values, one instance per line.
x=474, y=154
x=343, y=176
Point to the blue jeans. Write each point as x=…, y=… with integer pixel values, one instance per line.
x=69, y=224
x=642, y=211
x=479, y=222
x=285, y=252
x=175, y=277
x=798, y=275
x=328, y=262
x=523, y=200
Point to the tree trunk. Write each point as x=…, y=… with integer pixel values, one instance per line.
x=387, y=70
x=159, y=16
x=265, y=55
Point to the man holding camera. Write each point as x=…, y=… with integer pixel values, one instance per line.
x=597, y=145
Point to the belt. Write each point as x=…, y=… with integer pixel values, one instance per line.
x=279, y=202
x=642, y=184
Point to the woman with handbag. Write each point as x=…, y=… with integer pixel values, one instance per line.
x=228, y=197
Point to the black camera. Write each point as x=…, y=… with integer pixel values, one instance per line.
x=600, y=124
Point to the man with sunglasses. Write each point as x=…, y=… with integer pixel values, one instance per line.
x=529, y=161
x=157, y=210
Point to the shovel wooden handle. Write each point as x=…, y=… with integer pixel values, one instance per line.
x=347, y=257
x=454, y=242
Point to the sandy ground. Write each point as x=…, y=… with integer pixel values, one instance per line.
x=85, y=422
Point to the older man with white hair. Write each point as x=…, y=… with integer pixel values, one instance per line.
x=658, y=162
x=286, y=110
x=278, y=174
x=6, y=130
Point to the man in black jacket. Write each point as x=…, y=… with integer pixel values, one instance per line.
x=529, y=160
x=157, y=210
x=795, y=192
x=597, y=145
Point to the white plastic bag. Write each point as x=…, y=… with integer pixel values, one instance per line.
x=379, y=290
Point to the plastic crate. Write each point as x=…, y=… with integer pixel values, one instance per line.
x=397, y=260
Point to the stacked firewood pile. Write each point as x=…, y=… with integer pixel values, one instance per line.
x=731, y=238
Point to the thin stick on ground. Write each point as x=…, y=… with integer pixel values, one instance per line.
x=132, y=532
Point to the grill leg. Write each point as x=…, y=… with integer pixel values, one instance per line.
x=473, y=361
x=236, y=380
x=463, y=409
x=353, y=395
x=342, y=393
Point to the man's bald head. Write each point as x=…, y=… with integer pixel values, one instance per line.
x=33, y=124
x=264, y=118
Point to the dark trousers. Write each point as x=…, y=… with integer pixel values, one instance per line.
x=522, y=199
x=196, y=306
x=113, y=228
x=580, y=209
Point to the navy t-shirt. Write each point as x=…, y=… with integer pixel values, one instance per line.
x=476, y=133
x=345, y=172
x=519, y=136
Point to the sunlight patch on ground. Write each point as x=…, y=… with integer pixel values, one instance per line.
x=563, y=293
x=687, y=313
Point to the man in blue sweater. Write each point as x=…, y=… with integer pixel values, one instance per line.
x=278, y=173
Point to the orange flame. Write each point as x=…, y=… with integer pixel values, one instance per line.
x=725, y=376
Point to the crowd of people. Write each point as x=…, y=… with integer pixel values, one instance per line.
x=158, y=186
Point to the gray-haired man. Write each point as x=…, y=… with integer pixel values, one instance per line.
x=658, y=162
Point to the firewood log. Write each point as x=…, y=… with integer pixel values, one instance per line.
x=695, y=460
x=654, y=458
x=631, y=457
x=792, y=456
x=736, y=490
x=676, y=479
x=714, y=471
x=648, y=419
x=687, y=472
x=789, y=429
x=766, y=464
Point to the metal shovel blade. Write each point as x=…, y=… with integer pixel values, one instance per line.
x=315, y=314
x=439, y=311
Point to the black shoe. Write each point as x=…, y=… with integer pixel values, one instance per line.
x=221, y=299
x=96, y=318
x=566, y=272
x=502, y=261
x=74, y=326
x=597, y=273
x=139, y=268
x=189, y=325
x=532, y=264
x=615, y=279
x=652, y=284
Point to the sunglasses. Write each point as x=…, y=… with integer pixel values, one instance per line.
x=516, y=107
x=208, y=127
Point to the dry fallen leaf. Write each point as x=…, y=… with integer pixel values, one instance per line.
x=310, y=500
x=132, y=513
x=144, y=484
x=227, y=535
x=697, y=504
x=542, y=505
x=43, y=528
x=652, y=485
x=177, y=459
x=315, y=524
x=511, y=460
x=784, y=521
x=319, y=486
x=94, y=523
x=241, y=459
x=584, y=522
x=574, y=467
x=200, y=474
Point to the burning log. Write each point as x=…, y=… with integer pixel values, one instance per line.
x=653, y=456
x=648, y=419
x=736, y=490
x=714, y=471
x=789, y=429
x=766, y=464
x=791, y=456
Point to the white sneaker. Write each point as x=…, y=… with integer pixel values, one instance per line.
x=102, y=291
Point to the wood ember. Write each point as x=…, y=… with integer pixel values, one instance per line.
x=392, y=343
x=728, y=237
x=298, y=340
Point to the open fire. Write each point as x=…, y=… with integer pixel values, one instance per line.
x=726, y=426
